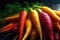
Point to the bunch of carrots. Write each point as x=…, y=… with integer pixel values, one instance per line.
x=37, y=24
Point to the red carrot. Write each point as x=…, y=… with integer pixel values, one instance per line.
x=48, y=25
x=15, y=27
x=22, y=20
x=9, y=27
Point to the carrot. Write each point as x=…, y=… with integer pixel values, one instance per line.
x=35, y=20
x=57, y=12
x=48, y=24
x=33, y=35
x=51, y=13
x=9, y=27
x=15, y=27
x=12, y=18
x=57, y=25
x=22, y=20
x=28, y=29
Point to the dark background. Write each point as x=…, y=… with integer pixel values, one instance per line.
x=46, y=2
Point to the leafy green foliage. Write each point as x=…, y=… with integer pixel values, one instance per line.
x=10, y=10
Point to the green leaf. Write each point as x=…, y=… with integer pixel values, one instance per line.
x=10, y=10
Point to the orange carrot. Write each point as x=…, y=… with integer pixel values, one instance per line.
x=28, y=29
x=57, y=12
x=35, y=20
x=12, y=18
x=51, y=13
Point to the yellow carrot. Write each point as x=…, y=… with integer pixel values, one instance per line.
x=57, y=12
x=51, y=13
x=28, y=29
x=12, y=18
x=35, y=20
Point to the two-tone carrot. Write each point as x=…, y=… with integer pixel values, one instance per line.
x=22, y=20
x=28, y=29
x=51, y=13
x=35, y=20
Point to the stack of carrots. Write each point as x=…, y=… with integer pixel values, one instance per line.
x=39, y=21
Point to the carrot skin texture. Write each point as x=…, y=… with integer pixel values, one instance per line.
x=9, y=27
x=22, y=20
x=35, y=20
x=48, y=25
x=28, y=29
x=51, y=13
